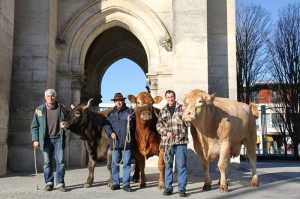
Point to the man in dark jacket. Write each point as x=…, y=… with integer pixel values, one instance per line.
x=117, y=128
x=47, y=134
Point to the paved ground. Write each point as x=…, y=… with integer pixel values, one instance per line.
x=277, y=180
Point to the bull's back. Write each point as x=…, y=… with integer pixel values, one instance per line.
x=239, y=115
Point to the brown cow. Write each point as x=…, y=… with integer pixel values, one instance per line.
x=88, y=126
x=219, y=127
x=147, y=139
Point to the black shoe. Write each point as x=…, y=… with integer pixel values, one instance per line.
x=168, y=192
x=61, y=188
x=49, y=187
x=127, y=189
x=182, y=194
x=115, y=187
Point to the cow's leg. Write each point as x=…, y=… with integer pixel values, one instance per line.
x=136, y=174
x=143, y=175
x=91, y=168
x=109, y=161
x=207, y=180
x=223, y=165
x=140, y=159
x=200, y=149
x=161, y=168
x=252, y=160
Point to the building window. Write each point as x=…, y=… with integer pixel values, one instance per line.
x=276, y=120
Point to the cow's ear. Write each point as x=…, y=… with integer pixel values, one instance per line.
x=157, y=99
x=211, y=98
x=132, y=98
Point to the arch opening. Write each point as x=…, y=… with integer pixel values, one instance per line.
x=114, y=44
x=123, y=76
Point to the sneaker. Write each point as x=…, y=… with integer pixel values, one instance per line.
x=182, y=194
x=61, y=188
x=127, y=188
x=115, y=187
x=49, y=187
x=168, y=192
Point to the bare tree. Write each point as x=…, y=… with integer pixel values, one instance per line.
x=285, y=69
x=252, y=30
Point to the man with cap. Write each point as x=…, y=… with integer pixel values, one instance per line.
x=120, y=142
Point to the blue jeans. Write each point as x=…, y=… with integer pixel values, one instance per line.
x=180, y=151
x=116, y=158
x=53, y=146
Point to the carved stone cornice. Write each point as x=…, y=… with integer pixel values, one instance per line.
x=151, y=82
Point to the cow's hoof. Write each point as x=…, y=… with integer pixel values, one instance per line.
x=206, y=187
x=87, y=185
x=142, y=185
x=254, y=181
x=223, y=189
x=134, y=180
x=161, y=185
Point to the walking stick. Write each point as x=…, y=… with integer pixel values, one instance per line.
x=36, y=174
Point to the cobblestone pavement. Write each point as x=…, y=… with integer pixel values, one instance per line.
x=277, y=180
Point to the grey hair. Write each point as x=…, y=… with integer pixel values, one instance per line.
x=50, y=91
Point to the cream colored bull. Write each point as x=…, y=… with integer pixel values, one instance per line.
x=219, y=127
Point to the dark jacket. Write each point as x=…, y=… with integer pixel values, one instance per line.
x=39, y=122
x=116, y=122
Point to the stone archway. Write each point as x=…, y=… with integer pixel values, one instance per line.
x=99, y=34
x=110, y=46
x=93, y=29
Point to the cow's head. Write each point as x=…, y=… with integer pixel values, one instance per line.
x=194, y=102
x=77, y=118
x=144, y=104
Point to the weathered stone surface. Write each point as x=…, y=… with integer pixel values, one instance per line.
x=69, y=44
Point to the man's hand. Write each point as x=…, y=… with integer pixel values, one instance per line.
x=36, y=144
x=169, y=134
x=113, y=136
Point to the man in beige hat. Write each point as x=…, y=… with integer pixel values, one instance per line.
x=116, y=129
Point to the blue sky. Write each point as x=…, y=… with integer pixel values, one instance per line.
x=127, y=77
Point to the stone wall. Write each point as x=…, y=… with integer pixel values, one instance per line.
x=6, y=43
x=34, y=70
x=202, y=35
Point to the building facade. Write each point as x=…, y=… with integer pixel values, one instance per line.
x=69, y=44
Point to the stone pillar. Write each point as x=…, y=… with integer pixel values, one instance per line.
x=221, y=48
x=75, y=148
x=6, y=43
x=34, y=61
x=190, y=68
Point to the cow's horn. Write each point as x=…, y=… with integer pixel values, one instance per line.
x=88, y=104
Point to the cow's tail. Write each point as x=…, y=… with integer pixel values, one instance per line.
x=254, y=110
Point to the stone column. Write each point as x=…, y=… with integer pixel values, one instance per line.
x=6, y=43
x=75, y=148
x=34, y=61
x=221, y=48
x=190, y=68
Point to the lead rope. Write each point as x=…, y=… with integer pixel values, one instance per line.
x=168, y=143
x=36, y=174
x=127, y=139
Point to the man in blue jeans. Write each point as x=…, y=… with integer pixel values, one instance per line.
x=47, y=134
x=120, y=144
x=174, y=139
